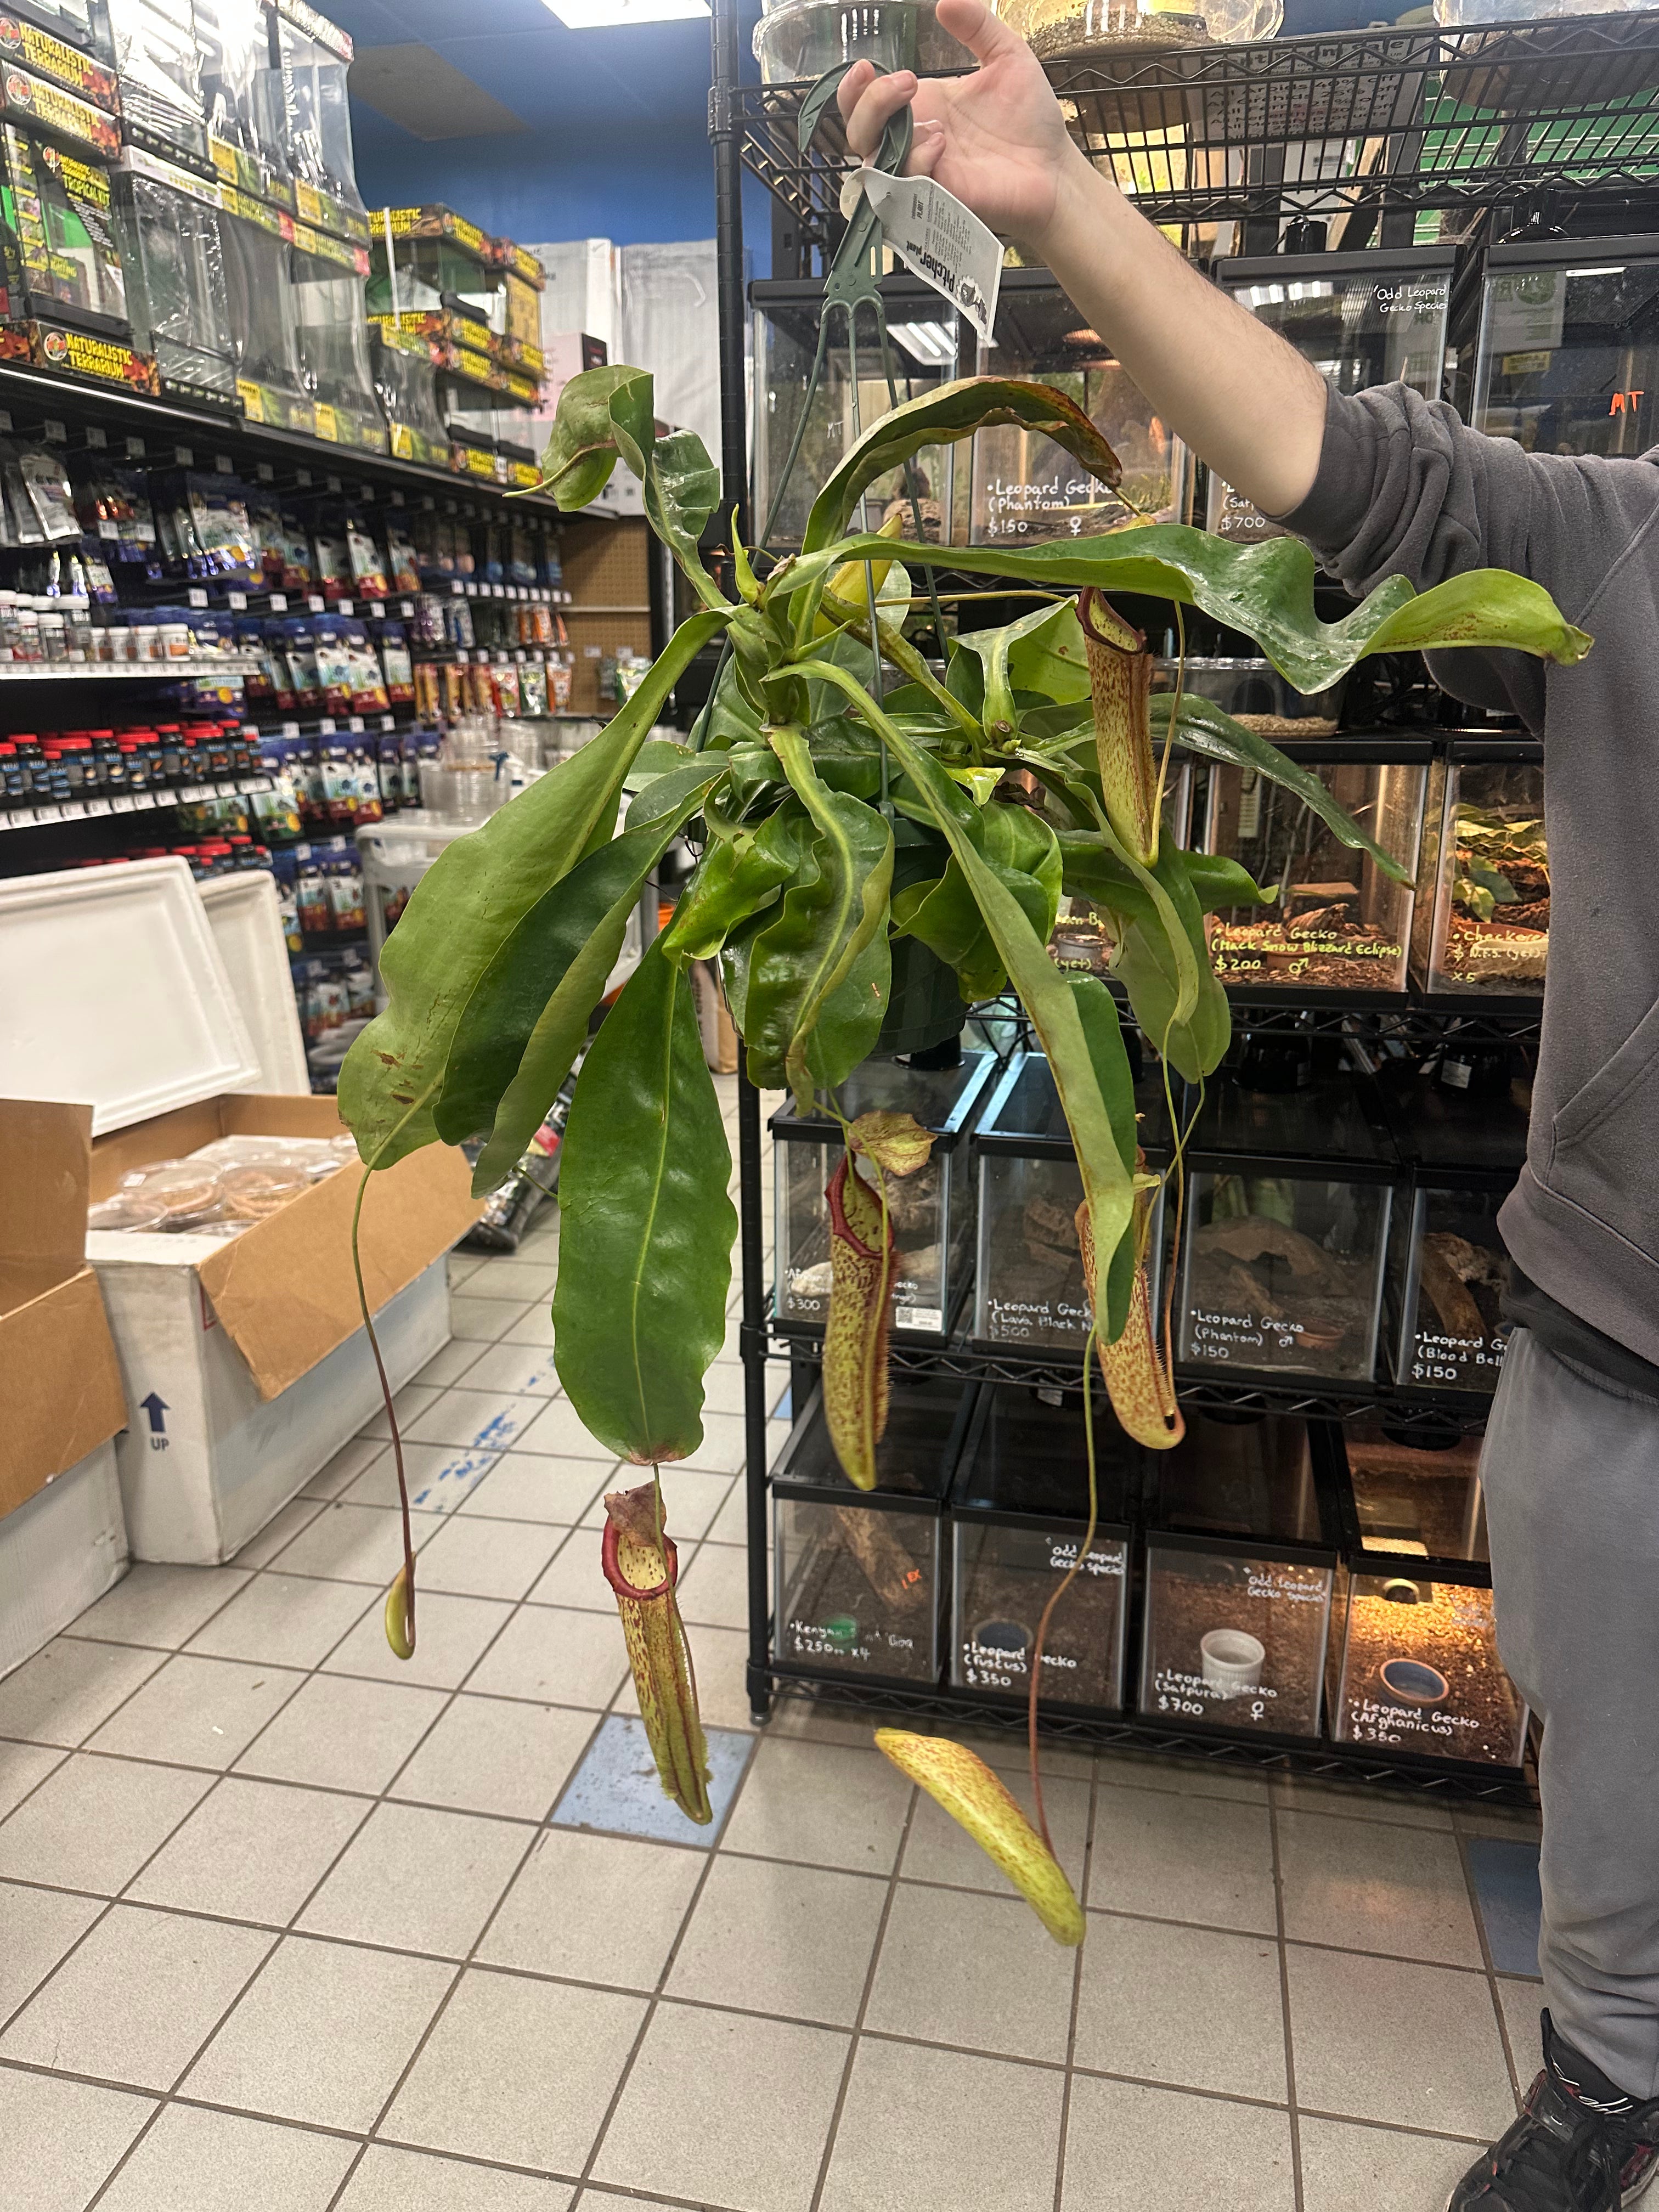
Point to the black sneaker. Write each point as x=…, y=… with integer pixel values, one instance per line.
x=1579, y=2145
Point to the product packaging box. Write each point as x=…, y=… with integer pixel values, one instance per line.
x=1240, y=1558
x=932, y=1211
x=1019, y=1511
x=245, y=1362
x=63, y=1541
x=861, y=1577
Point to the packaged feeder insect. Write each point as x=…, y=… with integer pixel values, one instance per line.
x=1241, y=1562
x=932, y=1210
x=922, y=330
x=1025, y=488
x=1568, y=357
x=860, y=1574
x=1029, y=1285
x=1340, y=925
x=1375, y=317
x=1415, y=1667
x=1482, y=924
x=1449, y=1274
x=1019, y=1511
x=1283, y=1257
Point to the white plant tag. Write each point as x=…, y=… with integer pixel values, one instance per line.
x=933, y=234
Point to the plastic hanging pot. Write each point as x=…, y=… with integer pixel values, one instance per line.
x=926, y=1009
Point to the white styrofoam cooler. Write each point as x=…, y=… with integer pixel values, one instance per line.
x=207, y=1461
x=246, y=922
x=59, y=1552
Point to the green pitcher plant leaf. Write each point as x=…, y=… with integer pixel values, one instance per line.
x=1266, y=591
x=580, y=945
x=941, y=417
x=834, y=912
x=463, y=909
x=645, y=1257
x=1204, y=728
x=1047, y=996
x=734, y=881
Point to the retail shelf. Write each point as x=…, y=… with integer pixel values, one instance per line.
x=111, y=416
x=129, y=671
x=1330, y=1762
x=1412, y=118
x=54, y=815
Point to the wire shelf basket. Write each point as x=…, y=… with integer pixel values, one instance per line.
x=1411, y=120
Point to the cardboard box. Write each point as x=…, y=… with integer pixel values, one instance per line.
x=59, y=1377
x=244, y=1363
x=58, y=1555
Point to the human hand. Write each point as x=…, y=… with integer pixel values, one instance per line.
x=996, y=139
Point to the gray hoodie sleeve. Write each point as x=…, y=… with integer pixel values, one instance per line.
x=1405, y=488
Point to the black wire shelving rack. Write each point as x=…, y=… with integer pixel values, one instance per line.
x=1386, y=121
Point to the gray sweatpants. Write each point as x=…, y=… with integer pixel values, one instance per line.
x=1570, y=1466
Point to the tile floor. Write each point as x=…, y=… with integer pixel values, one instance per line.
x=283, y=1924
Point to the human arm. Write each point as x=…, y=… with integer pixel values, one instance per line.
x=1242, y=398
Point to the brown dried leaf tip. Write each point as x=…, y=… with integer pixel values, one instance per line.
x=642, y=1567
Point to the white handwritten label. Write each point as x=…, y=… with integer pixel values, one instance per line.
x=934, y=234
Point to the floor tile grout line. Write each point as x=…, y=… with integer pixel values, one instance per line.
x=443, y=2006
x=658, y=1995
x=1496, y=1994
x=1077, y=1994
x=1288, y=2028
x=827, y=2156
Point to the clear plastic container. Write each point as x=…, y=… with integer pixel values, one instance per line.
x=1417, y=1669
x=1362, y=319
x=1283, y=1270
x=1026, y=489
x=158, y=50
x=1568, y=357
x=1018, y=1514
x=932, y=1211
x=803, y=38
x=1029, y=1281
x=1339, y=924
x=1241, y=1561
x=858, y=1574
x=923, y=330
x=1483, y=903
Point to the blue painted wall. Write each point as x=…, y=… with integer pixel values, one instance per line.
x=617, y=145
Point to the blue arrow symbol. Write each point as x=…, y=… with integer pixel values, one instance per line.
x=155, y=1408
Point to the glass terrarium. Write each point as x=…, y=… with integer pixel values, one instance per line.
x=1418, y=1668
x=1566, y=360
x=157, y=50
x=1255, y=693
x=1282, y=1269
x=1482, y=924
x=1277, y=1098
x=1454, y=1271
x=1019, y=1510
x=1374, y=317
x=1058, y=29
x=923, y=331
x=802, y=38
x=860, y=1574
x=1027, y=488
x=932, y=1210
x=1029, y=1281
x=1241, y=1559
x=169, y=226
x=243, y=98
x=407, y=385
x=1339, y=924
x=313, y=56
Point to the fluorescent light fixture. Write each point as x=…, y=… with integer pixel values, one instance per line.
x=1618, y=272
x=593, y=14
x=933, y=343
